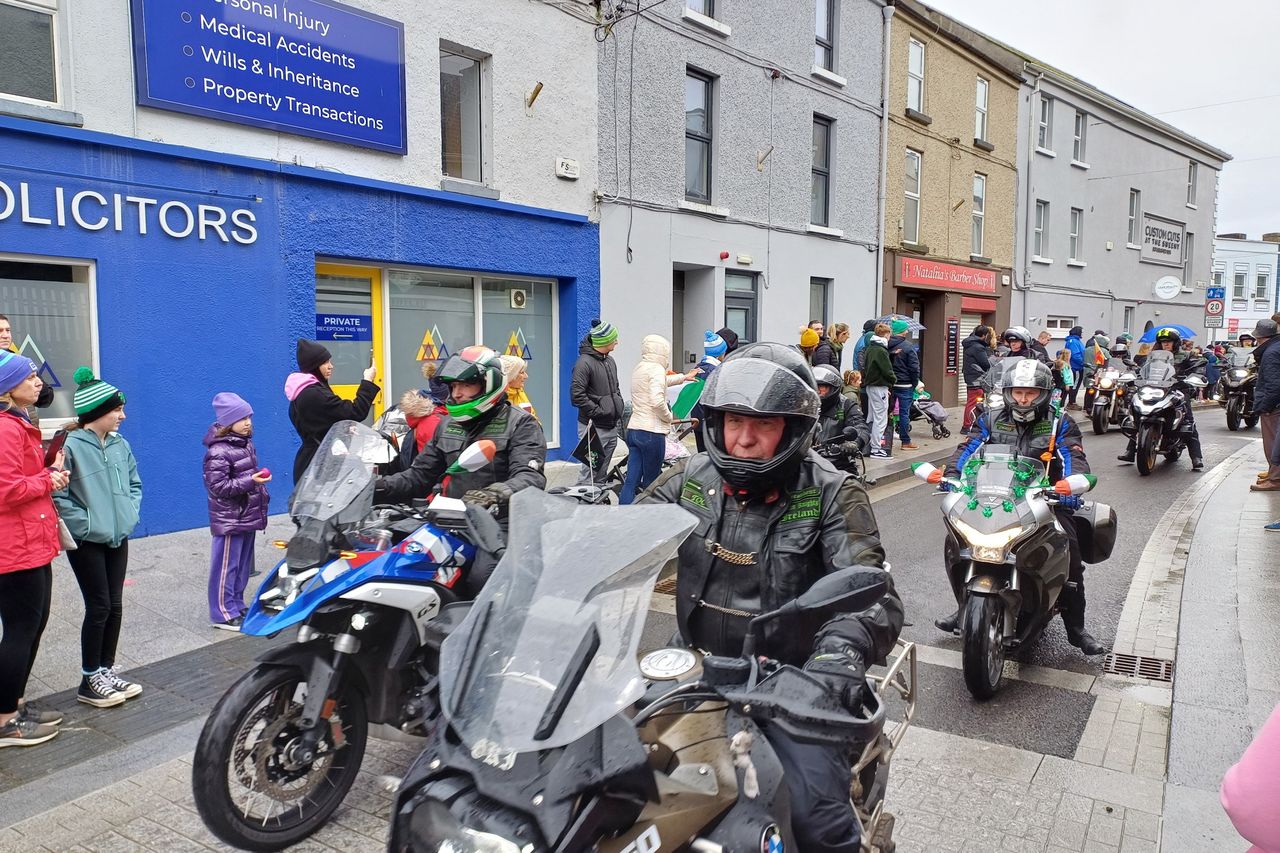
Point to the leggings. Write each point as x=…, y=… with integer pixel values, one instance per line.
x=24, y=611
x=100, y=571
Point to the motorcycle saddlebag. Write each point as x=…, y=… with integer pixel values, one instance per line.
x=1096, y=530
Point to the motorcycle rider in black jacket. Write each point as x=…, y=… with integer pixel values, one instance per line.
x=839, y=417
x=1186, y=365
x=773, y=517
x=1026, y=422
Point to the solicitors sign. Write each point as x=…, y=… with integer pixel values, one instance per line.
x=309, y=67
x=1162, y=240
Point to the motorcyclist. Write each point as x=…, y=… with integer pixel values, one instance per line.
x=477, y=408
x=1016, y=343
x=773, y=517
x=1186, y=364
x=1121, y=350
x=1026, y=421
x=839, y=416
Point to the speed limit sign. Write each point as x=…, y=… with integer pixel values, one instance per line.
x=1214, y=307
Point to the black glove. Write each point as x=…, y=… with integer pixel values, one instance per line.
x=843, y=673
x=854, y=447
x=490, y=496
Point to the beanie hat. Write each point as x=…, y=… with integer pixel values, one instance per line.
x=730, y=339
x=899, y=327
x=229, y=408
x=602, y=333
x=14, y=369
x=311, y=355
x=869, y=326
x=713, y=345
x=94, y=397
x=1077, y=330
x=808, y=338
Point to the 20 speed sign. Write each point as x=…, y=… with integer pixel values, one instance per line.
x=1214, y=307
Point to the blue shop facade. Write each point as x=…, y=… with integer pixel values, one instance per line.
x=178, y=273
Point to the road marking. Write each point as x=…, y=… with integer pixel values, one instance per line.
x=1062, y=679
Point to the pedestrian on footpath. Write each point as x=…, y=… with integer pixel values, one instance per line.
x=314, y=408
x=714, y=348
x=424, y=409
x=595, y=392
x=1040, y=346
x=100, y=507
x=839, y=337
x=1250, y=792
x=238, y=501
x=29, y=530
x=877, y=379
x=1063, y=376
x=1075, y=346
x=651, y=416
x=1266, y=402
x=809, y=340
x=978, y=350
x=517, y=372
x=826, y=351
x=906, y=367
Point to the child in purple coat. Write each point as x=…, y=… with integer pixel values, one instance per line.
x=237, y=506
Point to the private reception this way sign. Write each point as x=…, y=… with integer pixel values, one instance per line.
x=309, y=67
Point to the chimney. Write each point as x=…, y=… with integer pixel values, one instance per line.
x=1233, y=236
x=1271, y=237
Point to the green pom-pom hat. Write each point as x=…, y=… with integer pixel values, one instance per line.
x=94, y=397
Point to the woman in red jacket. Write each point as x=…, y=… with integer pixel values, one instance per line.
x=29, y=529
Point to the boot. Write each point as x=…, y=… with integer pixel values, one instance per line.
x=1130, y=452
x=1084, y=641
x=1193, y=450
x=1073, y=605
x=949, y=624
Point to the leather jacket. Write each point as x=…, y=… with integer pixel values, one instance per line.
x=1029, y=440
x=843, y=420
x=748, y=555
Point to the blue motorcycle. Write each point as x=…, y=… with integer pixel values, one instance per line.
x=362, y=586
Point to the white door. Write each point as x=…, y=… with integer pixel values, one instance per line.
x=968, y=322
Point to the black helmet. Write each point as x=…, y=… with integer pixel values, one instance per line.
x=829, y=385
x=1170, y=335
x=1026, y=373
x=1124, y=338
x=761, y=380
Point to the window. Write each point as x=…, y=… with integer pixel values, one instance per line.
x=1042, y=225
x=911, y=209
x=1128, y=318
x=824, y=48
x=1240, y=282
x=1135, y=213
x=819, y=204
x=1218, y=273
x=1044, y=139
x=740, y=304
x=1189, y=270
x=702, y=7
x=1262, y=283
x=28, y=51
x=697, y=136
x=1060, y=324
x=1191, y=182
x=915, y=76
x=980, y=111
x=819, y=300
x=979, y=212
x=461, y=110
x=1076, y=247
x=1077, y=146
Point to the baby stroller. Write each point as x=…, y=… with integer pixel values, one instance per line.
x=924, y=407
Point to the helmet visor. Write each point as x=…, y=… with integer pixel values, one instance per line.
x=753, y=386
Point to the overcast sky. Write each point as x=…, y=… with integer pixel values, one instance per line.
x=1172, y=59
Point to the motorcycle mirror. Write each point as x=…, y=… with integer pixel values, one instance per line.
x=850, y=589
x=476, y=456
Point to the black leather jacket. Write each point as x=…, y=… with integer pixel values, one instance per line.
x=843, y=420
x=1029, y=440
x=769, y=550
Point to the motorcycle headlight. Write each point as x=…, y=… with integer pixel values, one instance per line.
x=1107, y=382
x=1239, y=374
x=1150, y=394
x=988, y=547
x=435, y=829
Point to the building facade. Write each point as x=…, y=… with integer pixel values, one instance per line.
x=739, y=163
x=952, y=184
x=1246, y=270
x=186, y=188
x=1116, y=209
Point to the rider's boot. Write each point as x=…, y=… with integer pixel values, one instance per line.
x=1073, y=620
x=949, y=624
x=1130, y=452
x=1193, y=450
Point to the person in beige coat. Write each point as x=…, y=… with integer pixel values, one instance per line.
x=650, y=415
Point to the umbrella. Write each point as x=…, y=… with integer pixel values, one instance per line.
x=1149, y=336
x=912, y=324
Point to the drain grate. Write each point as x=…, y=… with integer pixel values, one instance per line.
x=667, y=586
x=1138, y=666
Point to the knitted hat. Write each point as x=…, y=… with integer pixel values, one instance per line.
x=713, y=345
x=730, y=339
x=14, y=369
x=94, y=397
x=899, y=327
x=311, y=355
x=602, y=333
x=869, y=326
x=229, y=408
x=809, y=338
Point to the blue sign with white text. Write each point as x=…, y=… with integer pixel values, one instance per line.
x=344, y=327
x=309, y=67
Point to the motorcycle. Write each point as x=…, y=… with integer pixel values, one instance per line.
x=360, y=583
x=598, y=494
x=844, y=455
x=1107, y=397
x=1157, y=411
x=1236, y=389
x=557, y=739
x=1006, y=554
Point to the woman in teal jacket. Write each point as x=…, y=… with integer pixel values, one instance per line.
x=100, y=506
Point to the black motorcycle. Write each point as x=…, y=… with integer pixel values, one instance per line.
x=1159, y=410
x=1106, y=400
x=1235, y=389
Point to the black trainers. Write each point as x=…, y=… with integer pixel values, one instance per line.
x=98, y=691
x=1197, y=464
x=232, y=624
x=37, y=716
x=130, y=689
x=20, y=732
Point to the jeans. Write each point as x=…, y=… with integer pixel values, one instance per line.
x=609, y=442
x=24, y=611
x=100, y=571
x=645, y=462
x=904, y=397
x=817, y=777
x=878, y=403
x=1074, y=391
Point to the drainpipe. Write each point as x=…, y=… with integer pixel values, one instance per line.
x=1031, y=207
x=884, y=159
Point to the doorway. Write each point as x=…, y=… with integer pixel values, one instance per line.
x=677, y=319
x=349, y=325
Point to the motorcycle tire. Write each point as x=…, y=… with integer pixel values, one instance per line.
x=1233, y=413
x=1251, y=421
x=1172, y=456
x=1148, y=448
x=983, y=638
x=215, y=763
x=1100, y=421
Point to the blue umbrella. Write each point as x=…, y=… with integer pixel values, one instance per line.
x=1149, y=336
x=913, y=324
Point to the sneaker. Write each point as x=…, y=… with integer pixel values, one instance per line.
x=20, y=732
x=879, y=454
x=230, y=624
x=98, y=691
x=909, y=446
x=130, y=689
x=1275, y=525
x=34, y=715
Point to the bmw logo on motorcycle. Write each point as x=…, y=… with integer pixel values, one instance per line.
x=771, y=840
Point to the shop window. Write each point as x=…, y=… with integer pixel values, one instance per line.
x=51, y=315
x=29, y=51
x=740, y=305
x=462, y=115
x=517, y=317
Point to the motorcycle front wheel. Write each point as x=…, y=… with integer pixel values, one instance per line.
x=1100, y=421
x=983, y=655
x=1148, y=447
x=250, y=790
x=1233, y=413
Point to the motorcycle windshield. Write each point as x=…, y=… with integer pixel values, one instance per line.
x=995, y=485
x=338, y=484
x=1242, y=358
x=548, y=650
x=1159, y=371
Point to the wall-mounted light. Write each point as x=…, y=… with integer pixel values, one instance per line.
x=533, y=96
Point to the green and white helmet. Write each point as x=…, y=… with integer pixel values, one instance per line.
x=475, y=364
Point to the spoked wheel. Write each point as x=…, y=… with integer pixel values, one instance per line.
x=1148, y=448
x=1100, y=421
x=1234, y=405
x=983, y=654
x=252, y=788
